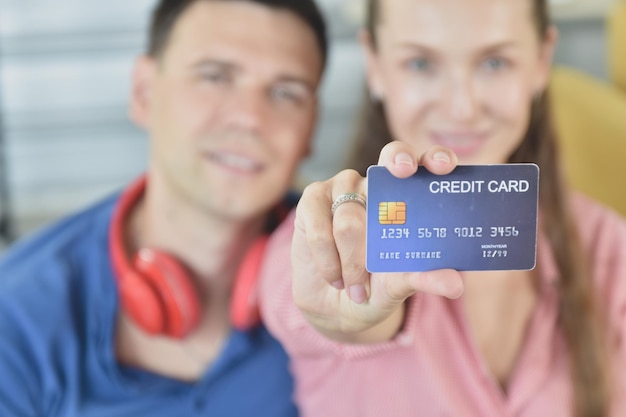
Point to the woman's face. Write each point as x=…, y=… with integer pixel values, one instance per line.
x=459, y=73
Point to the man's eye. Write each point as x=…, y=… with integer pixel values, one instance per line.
x=286, y=94
x=215, y=77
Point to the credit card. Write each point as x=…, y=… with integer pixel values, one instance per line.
x=477, y=218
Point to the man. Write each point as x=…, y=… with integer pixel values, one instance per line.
x=126, y=309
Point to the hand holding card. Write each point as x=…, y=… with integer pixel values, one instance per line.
x=330, y=283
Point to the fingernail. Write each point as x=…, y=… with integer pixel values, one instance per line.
x=338, y=284
x=357, y=293
x=404, y=159
x=442, y=157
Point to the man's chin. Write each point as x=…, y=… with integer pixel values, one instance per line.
x=242, y=210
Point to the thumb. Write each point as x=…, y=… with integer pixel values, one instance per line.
x=394, y=288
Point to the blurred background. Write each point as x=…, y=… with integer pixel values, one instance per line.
x=66, y=141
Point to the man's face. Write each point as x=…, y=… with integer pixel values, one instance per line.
x=230, y=106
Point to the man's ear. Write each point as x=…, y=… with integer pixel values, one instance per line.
x=374, y=81
x=308, y=150
x=141, y=90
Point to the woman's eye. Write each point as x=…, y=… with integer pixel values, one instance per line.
x=420, y=65
x=495, y=64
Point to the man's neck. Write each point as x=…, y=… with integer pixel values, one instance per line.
x=210, y=246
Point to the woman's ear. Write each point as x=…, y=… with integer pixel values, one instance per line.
x=141, y=90
x=546, y=55
x=372, y=66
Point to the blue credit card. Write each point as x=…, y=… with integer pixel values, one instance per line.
x=477, y=218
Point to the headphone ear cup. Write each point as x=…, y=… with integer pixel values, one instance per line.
x=173, y=288
x=140, y=301
x=244, y=305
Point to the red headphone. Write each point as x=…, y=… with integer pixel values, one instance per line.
x=155, y=289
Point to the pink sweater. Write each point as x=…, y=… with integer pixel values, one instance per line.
x=432, y=367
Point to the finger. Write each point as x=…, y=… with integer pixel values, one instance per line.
x=315, y=224
x=439, y=160
x=349, y=221
x=444, y=282
x=400, y=158
x=396, y=288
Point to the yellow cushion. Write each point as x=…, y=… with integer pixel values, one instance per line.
x=590, y=117
x=616, y=34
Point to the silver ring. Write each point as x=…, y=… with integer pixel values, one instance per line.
x=346, y=198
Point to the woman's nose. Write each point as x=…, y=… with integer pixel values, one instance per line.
x=460, y=102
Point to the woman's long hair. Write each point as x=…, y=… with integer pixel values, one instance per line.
x=579, y=316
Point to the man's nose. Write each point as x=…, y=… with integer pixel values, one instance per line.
x=247, y=109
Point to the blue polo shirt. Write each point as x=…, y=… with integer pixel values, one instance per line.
x=58, y=309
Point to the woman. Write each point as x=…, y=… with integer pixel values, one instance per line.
x=450, y=80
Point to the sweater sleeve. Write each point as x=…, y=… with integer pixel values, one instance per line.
x=603, y=233
x=285, y=321
x=617, y=320
x=610, y=267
